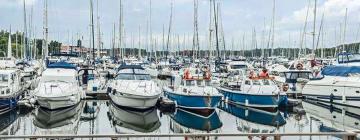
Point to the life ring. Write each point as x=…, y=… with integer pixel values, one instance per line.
x=207, y=75
x=285, y=87
x=187, y=74
x=299, y=66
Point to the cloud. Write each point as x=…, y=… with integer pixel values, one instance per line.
x=332, y=9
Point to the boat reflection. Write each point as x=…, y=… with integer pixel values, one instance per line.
x=90, y=111
x=9, y=122
x=130, y=121
x=188, y=121
x=61, y=121
x=333, y=118
x=254, y=120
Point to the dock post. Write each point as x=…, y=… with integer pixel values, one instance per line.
x=277, y=137
x=349, y=137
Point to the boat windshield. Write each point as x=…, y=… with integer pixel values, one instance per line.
x=266, y=82
x=296, y=75
x=238, y=66
x=4, y=78
x=190, y=83
x=133, y=77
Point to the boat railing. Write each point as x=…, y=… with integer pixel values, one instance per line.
x=275, y=136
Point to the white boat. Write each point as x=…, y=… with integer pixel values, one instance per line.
x=238, y=65
x=59, y=87
x=133, y=88
x=338, y=84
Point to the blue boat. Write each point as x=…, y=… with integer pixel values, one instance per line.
x=10, y=89
x=188, y=121
x=255, y=92
x=194, y=94
x=9, y=122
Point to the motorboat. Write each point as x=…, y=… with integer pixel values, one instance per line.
x=11, y=88
x=257, y=92
x=133, y=121
x=337, y=84
x=194, y=92
x=59, y=87
x=133, y=88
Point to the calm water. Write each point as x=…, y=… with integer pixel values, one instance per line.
x=102, y=117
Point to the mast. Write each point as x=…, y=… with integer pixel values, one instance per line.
x=169, y=31
x=151, y=39
x=120, y=31
x=210, y=30
x=98, y=30
x=196, y=32
x=216, y=32
x=25, y=33
x=313, y=33
x=139, y=43
x=273, y=29
x=16, y=45
x=113, y=41
x=45, y=50
x=344, y=30
x=92, y=29
x=304, y=32
x=9, y=53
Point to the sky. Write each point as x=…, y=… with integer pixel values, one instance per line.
x=70, y=19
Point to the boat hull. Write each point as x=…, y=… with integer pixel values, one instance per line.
x=253, y=100
x=9, y=102
x=345, y=93
x=193, y=101
x=54, y=103
x=134, y=101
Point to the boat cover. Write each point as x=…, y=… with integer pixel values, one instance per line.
x=340, y=70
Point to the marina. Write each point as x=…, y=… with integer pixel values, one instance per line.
x=133, y=70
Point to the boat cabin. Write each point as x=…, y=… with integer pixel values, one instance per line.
x=292, y=76
x=344, y=58
x=10, y=82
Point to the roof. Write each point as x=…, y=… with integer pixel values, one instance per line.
x=61, y=64
x=124, y=66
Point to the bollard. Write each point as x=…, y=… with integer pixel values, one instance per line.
x=277, y=137
x=349, y=137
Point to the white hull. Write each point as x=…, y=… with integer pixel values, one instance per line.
x=134, y=101
x=345, y=90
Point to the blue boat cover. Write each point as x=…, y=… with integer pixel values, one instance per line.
x=340, y=70
x=62, y=64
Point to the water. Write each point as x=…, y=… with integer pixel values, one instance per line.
x=102, y=117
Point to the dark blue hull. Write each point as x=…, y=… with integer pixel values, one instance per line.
x=196, y=121
x=253, y=100
x=194, y=101
x=9, y=102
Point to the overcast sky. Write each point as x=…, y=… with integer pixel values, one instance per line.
x=70, y=18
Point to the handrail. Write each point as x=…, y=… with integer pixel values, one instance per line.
x=346, y=135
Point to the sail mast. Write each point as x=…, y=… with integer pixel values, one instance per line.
x=9, y=53
x=169, y=31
